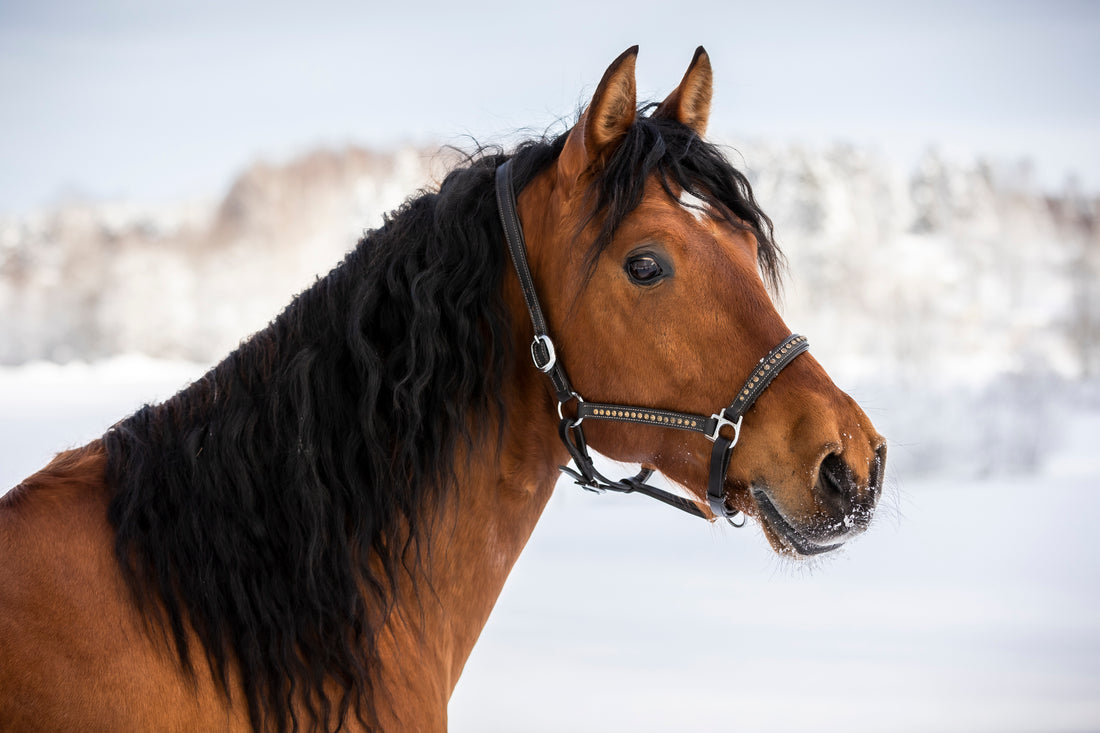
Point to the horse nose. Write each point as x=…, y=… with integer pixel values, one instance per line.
x=850, y=501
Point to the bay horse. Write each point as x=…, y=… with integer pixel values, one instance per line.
x=311, y=536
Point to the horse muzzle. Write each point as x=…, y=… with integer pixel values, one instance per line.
x=842, y=508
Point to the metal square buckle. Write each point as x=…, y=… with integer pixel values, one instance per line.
x=721, y=421
x=552, y=357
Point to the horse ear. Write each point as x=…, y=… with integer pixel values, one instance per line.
x=689, y=103
x=607, y=119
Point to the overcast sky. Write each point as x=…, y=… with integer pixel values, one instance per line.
x=163, y=100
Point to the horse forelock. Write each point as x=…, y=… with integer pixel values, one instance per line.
x=683, y=163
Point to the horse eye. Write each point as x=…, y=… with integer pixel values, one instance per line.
x=644, y=269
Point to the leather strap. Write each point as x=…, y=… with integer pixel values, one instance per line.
x=722, y=450
x=587, y=477
x=646, y=416
x=543, y=353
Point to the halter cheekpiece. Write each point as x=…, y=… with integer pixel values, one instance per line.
x=723, y=428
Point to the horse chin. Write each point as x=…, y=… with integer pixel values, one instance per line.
x=784, y=536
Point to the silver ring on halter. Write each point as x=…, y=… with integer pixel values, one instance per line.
x=739, y=515
x=580, y=401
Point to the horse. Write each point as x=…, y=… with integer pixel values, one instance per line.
x=312, y=535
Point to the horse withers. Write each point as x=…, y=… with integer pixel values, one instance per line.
x=312, y=535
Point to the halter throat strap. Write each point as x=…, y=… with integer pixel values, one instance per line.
x=722, y=428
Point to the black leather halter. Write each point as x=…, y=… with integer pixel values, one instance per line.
x=569, y=428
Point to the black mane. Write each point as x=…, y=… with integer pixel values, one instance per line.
x=249, y=504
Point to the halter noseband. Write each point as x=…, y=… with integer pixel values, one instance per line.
x=545, y=358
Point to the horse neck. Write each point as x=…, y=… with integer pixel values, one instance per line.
x=476, y=536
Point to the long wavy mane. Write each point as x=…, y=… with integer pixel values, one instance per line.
x=272, y=505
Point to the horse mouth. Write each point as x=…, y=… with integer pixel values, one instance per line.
x=784, y=536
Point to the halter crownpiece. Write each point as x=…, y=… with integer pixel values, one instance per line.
x=544, y=356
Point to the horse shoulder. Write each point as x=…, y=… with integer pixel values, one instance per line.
x=74, y=652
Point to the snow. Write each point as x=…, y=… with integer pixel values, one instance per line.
x=970, y=604
x=46, y=408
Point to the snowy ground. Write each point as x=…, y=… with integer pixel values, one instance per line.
x=971, y=605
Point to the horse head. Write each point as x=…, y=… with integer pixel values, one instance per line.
x=654, y=262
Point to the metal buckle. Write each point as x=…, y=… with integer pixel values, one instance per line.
x=722, y=421
x=549, y=346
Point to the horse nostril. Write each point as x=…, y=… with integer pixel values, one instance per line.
x=845, y=503
x=844, y=498
x=836, y=483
